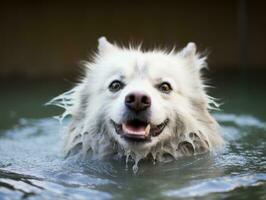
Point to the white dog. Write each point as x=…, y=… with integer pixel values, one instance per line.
x=140, y=104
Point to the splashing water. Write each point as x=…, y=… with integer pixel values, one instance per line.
x=31, y=167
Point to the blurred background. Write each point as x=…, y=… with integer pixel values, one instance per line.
x=43, y=42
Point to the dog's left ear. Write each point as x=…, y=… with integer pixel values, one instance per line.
x=194, y=59
x=104, y=46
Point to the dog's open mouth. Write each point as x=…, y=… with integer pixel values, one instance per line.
x=137, y=130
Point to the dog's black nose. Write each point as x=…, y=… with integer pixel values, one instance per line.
x=137, y=101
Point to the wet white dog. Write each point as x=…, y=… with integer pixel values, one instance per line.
x=140, y=104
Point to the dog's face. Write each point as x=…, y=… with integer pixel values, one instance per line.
x=143, y=98
x=139, y=103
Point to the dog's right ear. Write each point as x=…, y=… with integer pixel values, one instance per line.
x=195, y=60
x=189, y=51
x=104, y=46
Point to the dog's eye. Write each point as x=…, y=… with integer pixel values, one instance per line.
x=115, y=86
x=165, y=87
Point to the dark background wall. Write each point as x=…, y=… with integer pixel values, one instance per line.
x=49, y=38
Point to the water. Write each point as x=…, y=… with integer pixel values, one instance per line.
x=31, y=165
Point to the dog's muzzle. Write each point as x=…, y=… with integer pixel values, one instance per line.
x=136, y=125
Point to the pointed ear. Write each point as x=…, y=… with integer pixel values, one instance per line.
x=189, y=51
x=104, y=46
x=195, y=60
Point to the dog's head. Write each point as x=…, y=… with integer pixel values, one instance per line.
x=143, y=101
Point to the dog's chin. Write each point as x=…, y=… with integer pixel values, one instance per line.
x=138, y=131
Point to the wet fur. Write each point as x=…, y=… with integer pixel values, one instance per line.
x=192, y=132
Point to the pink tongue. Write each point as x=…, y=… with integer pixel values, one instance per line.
x=132, y=130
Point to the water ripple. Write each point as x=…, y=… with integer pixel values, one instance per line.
x=31, y=166
x=218, y=185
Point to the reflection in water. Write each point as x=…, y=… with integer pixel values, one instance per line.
x=31, y=167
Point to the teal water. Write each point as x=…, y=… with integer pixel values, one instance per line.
x=31, y=165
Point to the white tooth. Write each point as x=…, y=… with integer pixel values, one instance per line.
x=147, y=130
